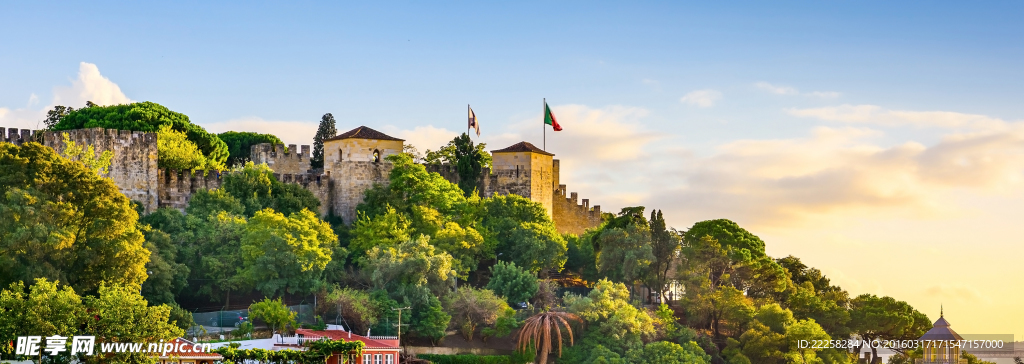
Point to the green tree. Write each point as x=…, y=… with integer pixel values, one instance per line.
x=663, y=352
x=146, y=116
x=885, y=318
x=514, y=283
x=626, y=253
x=206, y=203
x=167, y=276
x=522, y=232
x=286, y=254
x=448, y=154
x=55, y=115
x=665, y=245
x=240, y=145
x=410, y=263
x=470, y=307
x=274, y=313
x=63, y=222
x=613, y=322
x=801, y=337
x=256, y=188
x=119, y=313
x=87, y=156
x=385, y=230
x=429, y=320
x=178, y=152
x=325, y=131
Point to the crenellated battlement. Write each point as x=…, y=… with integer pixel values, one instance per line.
x=177, y=187
x=281, y=160
x=583, y=206
x=19, y=136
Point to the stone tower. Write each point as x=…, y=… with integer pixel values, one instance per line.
x=354, y=162
x=525, y=170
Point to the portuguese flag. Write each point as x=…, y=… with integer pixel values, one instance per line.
x=549, y=118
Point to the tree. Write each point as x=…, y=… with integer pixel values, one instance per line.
x=167, y=276
x=256, y=188
x=471, y=307
x=206, y=203
x=429, y=320
x=625, y=253
x=240, y=145
x=286, y=254
x=119, y=313
x=663, y=352
x=801, y=336
x=448, y=154
x=521, y=231
x=514, y=283
x=54, y=116
x=63, y=222
x=274, y=313
x=614, y=322
x=411, y=263
x=384, y=230
x=885, y=318
x=537, y=333
x=178, y=152
x=87, y=156
x=665, y=245
x=146, y=116
x=325, y=131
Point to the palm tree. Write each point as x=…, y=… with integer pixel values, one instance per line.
x=537, y=332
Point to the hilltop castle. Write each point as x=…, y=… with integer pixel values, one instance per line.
x=353, y=162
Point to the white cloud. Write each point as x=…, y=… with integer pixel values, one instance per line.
x=701, y=98
x=89, y=86
x=786, y=90
x=873, y=114
x=290, y=132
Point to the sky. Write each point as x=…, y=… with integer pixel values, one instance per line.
x=881, y=142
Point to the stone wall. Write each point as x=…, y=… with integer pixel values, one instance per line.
x=19, y=136
x=175, y=188
x=134, y=165
x=350, y=179
x=319, y=184
x=568, y=214
x=571, y=217
x=291, y=161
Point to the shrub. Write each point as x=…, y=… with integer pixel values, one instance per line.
x=517, y=358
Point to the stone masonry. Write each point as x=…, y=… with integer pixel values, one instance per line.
x=354, y=162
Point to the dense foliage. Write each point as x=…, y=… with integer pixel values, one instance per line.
x=60, y=220
x=149, y=116
x=240, y=145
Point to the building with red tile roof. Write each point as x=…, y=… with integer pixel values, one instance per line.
x=186, y=352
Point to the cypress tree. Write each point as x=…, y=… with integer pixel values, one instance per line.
x=326, y=131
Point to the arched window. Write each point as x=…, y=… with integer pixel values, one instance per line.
x=376, y=156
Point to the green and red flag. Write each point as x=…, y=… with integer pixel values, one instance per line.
x=549, y=118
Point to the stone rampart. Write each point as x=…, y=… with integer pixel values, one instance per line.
x=319, y=184
x=175, y=188
x=571, y=217
x=133, y=167
x=350, y=179
x=19, y=136
x=292, y=161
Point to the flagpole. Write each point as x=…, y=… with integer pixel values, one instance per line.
x=543, y=124
x=467, y=121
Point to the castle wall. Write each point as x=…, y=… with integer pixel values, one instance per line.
x=291, y=162
x=571, y=217
x=526, y=174
x=175, y=188
x=320, y=185
x=350, y=179
x=133, y=167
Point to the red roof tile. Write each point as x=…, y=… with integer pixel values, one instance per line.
x=363, y=132
x=522, y=147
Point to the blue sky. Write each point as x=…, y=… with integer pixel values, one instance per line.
x=832, y=129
